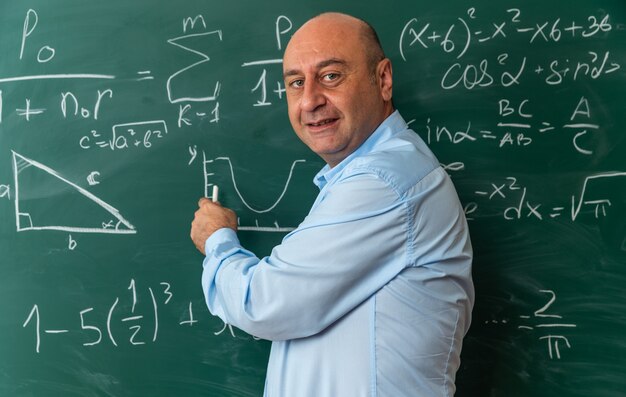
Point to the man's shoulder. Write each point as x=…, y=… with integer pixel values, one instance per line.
x=402, y=161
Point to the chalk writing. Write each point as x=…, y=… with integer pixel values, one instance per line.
x=525, y=207
x=180, y=85
x=466, y=32
x=125, y=136
x=136, y=326
x=518, y=128
x=459, y=37
x=283, y=26
x=204, y=58
x=545, y=323
x=113, y=221
x=209, y=172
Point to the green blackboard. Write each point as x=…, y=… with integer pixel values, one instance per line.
x=116, y=116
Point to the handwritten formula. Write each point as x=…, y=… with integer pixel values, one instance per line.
x=126, y=323
x=470, y=30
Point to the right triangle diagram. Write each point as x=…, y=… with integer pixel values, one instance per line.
x=45, y=200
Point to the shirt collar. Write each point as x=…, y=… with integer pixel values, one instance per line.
x=385, y=130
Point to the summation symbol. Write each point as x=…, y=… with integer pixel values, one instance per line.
x=204, y=59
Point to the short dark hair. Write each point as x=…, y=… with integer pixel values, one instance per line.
x=374, y=47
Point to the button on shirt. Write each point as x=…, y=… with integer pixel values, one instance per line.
x=371, y=294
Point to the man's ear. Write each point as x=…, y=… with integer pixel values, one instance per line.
x=384, y=74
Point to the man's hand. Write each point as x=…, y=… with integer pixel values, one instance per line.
x=208, y=219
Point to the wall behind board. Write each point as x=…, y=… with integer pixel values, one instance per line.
x=116, y=116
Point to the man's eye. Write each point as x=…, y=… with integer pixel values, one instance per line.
x=331, y=76
x=296, y=83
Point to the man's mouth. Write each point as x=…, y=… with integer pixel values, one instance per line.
x=321, y=123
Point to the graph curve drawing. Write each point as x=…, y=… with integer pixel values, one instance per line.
x=37, y=218
x=243, y=200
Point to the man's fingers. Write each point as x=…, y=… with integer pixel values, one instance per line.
x=205, y=200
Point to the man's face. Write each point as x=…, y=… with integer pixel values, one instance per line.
x=335, y=101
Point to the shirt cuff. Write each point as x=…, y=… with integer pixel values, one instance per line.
x=218, y=238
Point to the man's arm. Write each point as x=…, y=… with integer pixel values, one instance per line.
x=350, y=246
x=359, y=236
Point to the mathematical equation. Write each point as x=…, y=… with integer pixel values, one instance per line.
x=196, y=103
x=550, y=327
x=69, y=105
x=523, y=207
x=457, y=38
x=517, y=128
x=124, y=136
x=469, y=31
x=123, y=325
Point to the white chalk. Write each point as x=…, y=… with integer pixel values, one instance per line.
x=215, y=193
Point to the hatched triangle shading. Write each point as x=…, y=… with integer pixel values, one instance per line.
x=45, y=200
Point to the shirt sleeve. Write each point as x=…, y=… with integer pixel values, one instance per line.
x=351, y=244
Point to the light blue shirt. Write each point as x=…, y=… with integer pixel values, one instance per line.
x=372, y=294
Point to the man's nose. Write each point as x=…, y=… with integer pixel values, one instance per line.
x=312, y=97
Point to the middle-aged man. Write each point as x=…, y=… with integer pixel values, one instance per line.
x=372, y=294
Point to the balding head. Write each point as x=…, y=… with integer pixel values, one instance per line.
x=349, y=25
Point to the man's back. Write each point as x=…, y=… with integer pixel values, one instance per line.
x=405, y=287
